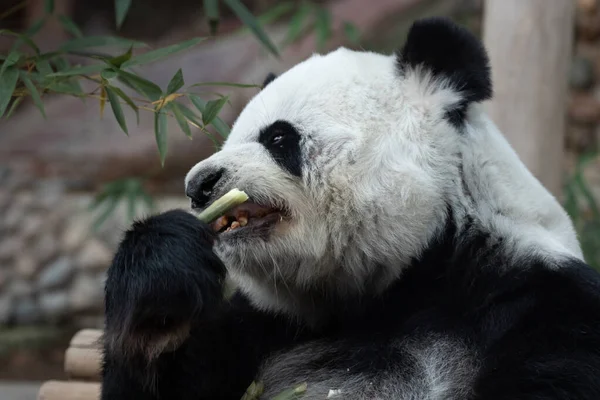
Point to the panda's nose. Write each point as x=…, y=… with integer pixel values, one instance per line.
x=200, y=188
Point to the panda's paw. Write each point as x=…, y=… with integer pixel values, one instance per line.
x=163, y=278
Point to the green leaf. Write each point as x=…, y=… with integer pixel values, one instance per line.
x=127, y=100
x=212, y=109
x=181, y=120
x=322, y=27
x=70, y=26
x=108, y=74
x=43, y=67
x=176, y=82
x=35, y=27
x=49, y=6
x=35, y=95
x=119, y=60
x=297, y=23
x=121, y=10
x=351, y=32
x=231, y=84
x=21, y=37
x=157, y=54
x=12, y=58
x=110, y=208
x=98, y=41
x=8, y=83
x=211, y=8
x=86, y=70
x=140, y=85
x=274, y=13
x=116, y=107
x=13, y=107
x=248, y=19
x=189, y=114
x=160, y=131
x=218, y=123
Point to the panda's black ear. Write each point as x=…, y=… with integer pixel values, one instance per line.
x=268, y=79
x=451, y=52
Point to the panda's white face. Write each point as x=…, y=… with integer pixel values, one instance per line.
x=353, y=160
x=344, y=151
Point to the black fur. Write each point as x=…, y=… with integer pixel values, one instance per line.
x=283, y=142
x=534, y=326
x=201, y=188
x=451, y=52
x=268, y=79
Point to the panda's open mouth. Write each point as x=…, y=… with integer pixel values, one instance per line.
x=248, y=216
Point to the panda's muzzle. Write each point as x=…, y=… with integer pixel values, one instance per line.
x=248, y=215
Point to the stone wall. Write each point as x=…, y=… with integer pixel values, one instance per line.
x=52, y=261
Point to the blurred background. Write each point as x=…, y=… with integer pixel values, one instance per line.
x=71, y=180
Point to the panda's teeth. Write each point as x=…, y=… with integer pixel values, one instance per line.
x=234, y=225
x=220, y=223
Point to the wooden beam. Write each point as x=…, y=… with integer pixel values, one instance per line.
x=530, y=46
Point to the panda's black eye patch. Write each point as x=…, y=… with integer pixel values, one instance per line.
x=282, y=140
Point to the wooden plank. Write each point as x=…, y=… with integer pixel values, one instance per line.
x=82, y=363
x=530, y=46
x=87, y=338
x=58, y=390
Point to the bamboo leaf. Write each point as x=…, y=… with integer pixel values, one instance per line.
x=160, y=131
x=248, y=19
x=102, y=101
x=86, y=70
x=351, y=32
x=212, y=109
x=35, y=95
x=297, y=23
x=231, y=84
x=119, y=60
x=140, y=85
x=176, y=82
x=8, y=83
x=13, y=107
x=121, y=10
x=35, y=27
x=116, y=107
x=218, y=123
x=322, y=27
x=70, y=26
x=127, y=100
x=12, y=58
x=49, y=6
x=181, y=120
x=98, y=41
x=211, y=8
x=21, y=37
x=157, y=54
x=110, y=208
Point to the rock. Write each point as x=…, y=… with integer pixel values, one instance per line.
x=75, y=234
x=584, y=108
x=6, y=302
x=26, y=311
x=31, y=226
x=56, y=274
x=26, y=266
x=49, y=193
x=54, y=305
x=14, y=216
x=94, y=255
x=46, y=247
x=20, y=288
x=86, y=294
x=581, y=74
x=9, y=248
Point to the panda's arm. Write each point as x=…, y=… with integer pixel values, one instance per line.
x=167, y=325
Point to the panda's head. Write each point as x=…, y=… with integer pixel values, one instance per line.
x=354, y=161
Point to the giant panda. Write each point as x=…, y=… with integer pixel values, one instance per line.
x=394, y=247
